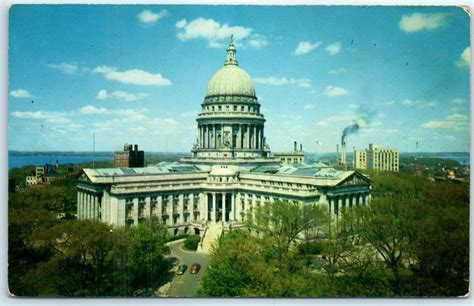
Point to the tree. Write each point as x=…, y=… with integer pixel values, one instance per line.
x=150, y=238
x=230, y=272
x=385, y=225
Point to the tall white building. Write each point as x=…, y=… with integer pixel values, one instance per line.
x=377, y=158
x=229, y=171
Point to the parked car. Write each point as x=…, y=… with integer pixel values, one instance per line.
x=195, y=268
x=181, y=269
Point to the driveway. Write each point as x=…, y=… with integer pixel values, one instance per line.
x=186, y=285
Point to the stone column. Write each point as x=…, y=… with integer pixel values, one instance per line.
x=159, y=207
x=224, y=206
x=232, y=207
x=79, y=216
x=214, y=208
x=170, y=210
x=236, y=206
x=89, y=206
x=239, y=137
x=215, y=136
x=248, y=137
x=135, y=211
x=258, y=137
x=80, y=204
x=148, y=206
x=204, y=210
x=85, y=208
x=181, y=208
x=96, y=207
x=191, y=207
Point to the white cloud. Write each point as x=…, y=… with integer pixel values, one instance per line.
x=451, y=138
x=149, y=17
x=333, y=91
x=50, y=117
x=258, y=41
x=457, y=122
x=464, y=60
x=181, y=24
x=102, y=94
x=189, y=114
x=423, y=22
x=389, y=103
x=276, y=81
x=67, y=68
x=121, y=95
x=430, y=104
x=309, y=106
x=92, y=110
x=457, y=117
x=211, y=31
x=420, y=104
x=458, y=101
x=334, y=48
x=133, y=76
x=323, y=123
x=337, y=71
x=21, y=94
x=305, y=47
x=353, y=106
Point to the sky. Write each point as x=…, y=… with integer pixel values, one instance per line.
x=138, y=74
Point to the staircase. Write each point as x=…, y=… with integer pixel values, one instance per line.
x=210, y=238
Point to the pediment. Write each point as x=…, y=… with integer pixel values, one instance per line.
x=355, y=179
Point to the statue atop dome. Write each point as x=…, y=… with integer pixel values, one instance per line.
x=231, y=51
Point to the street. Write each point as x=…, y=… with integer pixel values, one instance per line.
x=187, y=285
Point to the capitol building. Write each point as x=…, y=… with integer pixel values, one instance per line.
x=230, y=170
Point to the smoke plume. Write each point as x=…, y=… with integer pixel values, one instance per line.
x=353, y=127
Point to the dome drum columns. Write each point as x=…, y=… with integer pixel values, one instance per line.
x=220, y=136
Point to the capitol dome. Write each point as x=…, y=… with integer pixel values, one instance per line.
x=231, y=80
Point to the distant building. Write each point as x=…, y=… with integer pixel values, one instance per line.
x=129, y=158
x=377, y=158
x=42, y=175
x=297, y=156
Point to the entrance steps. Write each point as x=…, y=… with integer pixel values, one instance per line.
x=211, y=235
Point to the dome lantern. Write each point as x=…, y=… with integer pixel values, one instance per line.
x=231, y=51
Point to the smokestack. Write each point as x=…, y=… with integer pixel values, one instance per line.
x=343, y=154
x=295, y=146
x=337, y=153
x=136, y=148
x=301, y=147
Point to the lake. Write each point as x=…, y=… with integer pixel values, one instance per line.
x=20, y=160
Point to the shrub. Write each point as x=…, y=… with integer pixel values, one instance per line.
x=192, y=242
x=310, y=248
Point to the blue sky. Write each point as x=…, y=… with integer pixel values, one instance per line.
x=138, y=74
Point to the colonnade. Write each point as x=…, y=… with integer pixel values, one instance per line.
x=336, y=202
x=243, y=136
x=88, y=205
x=222, y=206
x=171, y=208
